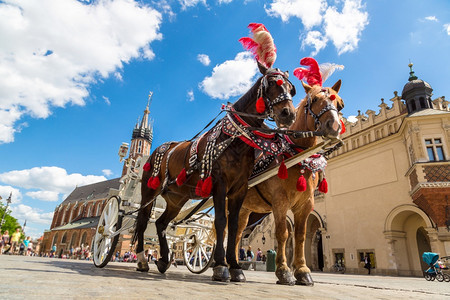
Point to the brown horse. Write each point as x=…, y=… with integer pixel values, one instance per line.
x=315, y=112
x=219, y=163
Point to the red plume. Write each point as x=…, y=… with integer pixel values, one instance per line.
x=261, y=45
x=301, y=184
x=260, y=105
x=181, y=178
x=206, y=187
x=282, y=171
x=312, y=74
x=198, y=188
x=146, y=167
x=323, y=186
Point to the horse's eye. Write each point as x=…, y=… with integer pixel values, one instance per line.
x=271, y=83
x=314, y=99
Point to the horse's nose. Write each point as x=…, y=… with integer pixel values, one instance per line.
x=285, y=112
x=332, y=127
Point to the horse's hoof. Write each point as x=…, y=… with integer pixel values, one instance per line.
x=237, y=275
x=221, y=273
x=285, y=277
x=142, y=267
x=162, y=266
x=304, y=279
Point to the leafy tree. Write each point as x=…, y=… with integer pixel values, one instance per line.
x=10, y=223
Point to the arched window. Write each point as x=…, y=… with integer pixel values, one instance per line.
x=88, y=214
x=55, y=239
x=97, y=212
x=422, y=102
x=73, y=240
x=83, y=239
x=64, y=238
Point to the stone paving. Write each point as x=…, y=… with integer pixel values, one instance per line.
x=50, y=278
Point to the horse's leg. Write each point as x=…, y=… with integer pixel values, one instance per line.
x=141, y=226
x=301, y=272
x=283, y=272
x=234, y=206
x=243, y=220
x=163, y=221
x=220, y=270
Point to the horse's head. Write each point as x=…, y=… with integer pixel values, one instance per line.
x=275, y=96
x=319, y=110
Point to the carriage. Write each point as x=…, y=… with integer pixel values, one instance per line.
x=193, y=226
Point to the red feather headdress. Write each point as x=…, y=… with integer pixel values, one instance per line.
x=315, y=74
x=261, y=45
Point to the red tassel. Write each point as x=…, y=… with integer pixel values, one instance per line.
x=153, y=182
x=279, y=82
x=323, y=186
x=181, y=178
x=332, y=97
x=260, y=105
x=198, y=188
x=342, y=127
x=206, y=187
x=301, y=184
x=282, y=171
x=147, y=167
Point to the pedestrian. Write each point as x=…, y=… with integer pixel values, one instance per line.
x=250, y=254
x=5, y=242
x=259, y=255
x=26, y=242
x=242, y=255
x=15, y=237
x=30, y=247
x=367, y=263
x=53, y=251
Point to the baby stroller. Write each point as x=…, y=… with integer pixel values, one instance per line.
x=435, y=267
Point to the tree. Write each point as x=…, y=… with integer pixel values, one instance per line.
x=10, y=223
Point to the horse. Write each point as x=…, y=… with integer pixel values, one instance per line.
x=317, y=111
x=219, y=164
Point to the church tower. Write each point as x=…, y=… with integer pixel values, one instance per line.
x=417, y=93
x=142, y=136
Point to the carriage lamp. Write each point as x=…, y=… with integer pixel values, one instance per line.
x=263, y=239
x=123, y=149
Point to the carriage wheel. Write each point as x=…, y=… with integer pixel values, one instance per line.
x=439, y=277
x=109, y=222
x=198, y=249
x=446, y=278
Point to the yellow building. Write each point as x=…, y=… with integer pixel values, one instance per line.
x=388, y=190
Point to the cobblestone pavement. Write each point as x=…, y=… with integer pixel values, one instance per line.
x=49, y=278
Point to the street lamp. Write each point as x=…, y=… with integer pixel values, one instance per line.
x=8, y=202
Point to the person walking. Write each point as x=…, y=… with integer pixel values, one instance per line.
x=242, y=255
x=4, y=242
x=250, y=254
x=367, y=263
x=259, y=255
x=15, y=237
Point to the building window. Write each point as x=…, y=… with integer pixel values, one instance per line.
x=63, y=240
x=97, y=213
x=371, y=258
x=140, y=147
x=89, y=211
x=435, y=149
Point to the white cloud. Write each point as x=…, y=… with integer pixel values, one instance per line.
x=344, y=29
x=44, y=195
x=352, y=119
x=315, y=39
x=190, y=95
x=5, y=191
x=107, y=172
x=447, y=28
x=25, y=212
x=308, y=11
x=190, y=3
x=56, y=49
x=231, y=78
x=431, y=18
x=165, y=8
x=118, y=76
x=53, y=179
x=204, y=59
x=106, y=100
x=324, y=22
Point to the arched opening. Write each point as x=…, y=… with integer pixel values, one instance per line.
x=313, y=242
x=55, y=239
x=422, y=102
x=83, y=239
x=423, y=245
x=73, y=240
x=407, y=230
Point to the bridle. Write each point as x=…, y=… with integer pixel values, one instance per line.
x=284, y=96
x=327, y=107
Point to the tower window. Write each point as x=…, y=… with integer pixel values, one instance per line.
x=435, y=149
x=140, y=147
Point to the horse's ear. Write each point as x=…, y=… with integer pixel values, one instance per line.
x=286, y=74
x=337, y=86
x=306, y=87
x=262, y=68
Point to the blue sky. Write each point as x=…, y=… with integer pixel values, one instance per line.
x=75, y=75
